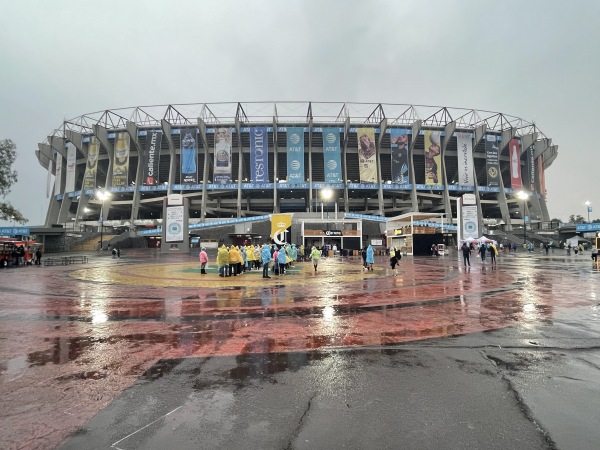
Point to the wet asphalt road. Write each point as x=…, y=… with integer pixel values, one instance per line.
x=130, y=354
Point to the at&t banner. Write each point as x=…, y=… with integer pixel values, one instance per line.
x=464, y=144
x=433, y=158
x=259, y=155
x=91, y=168
x=121, y=164
x=492, y=163
x=189, y=156
x=151, y=157
x=399, y=140
x=295, y=155
x=331, y=155
x=222, y=173
x=367, y=158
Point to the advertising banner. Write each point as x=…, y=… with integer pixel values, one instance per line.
x=71, y=160
x=541, y=177
x=174, y=224
x=121, y=165
x=222, y=171
x=399, y=140
x=331, y=155
x=259, y=155
x=464, y=144
x=91, y=167
x=151, y=158
x=531, y=168
x=433, y=158
x=189, y=156
x=58, y=175
x=279, y=226
x=492, y=163
x=295, y=155
x=514, y=152
x=470, y=227
x=367, y=157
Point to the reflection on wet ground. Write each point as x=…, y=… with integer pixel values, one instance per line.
x=73, y=338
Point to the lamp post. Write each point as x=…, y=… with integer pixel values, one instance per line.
x=326, y=195
x=102, y=195
x=589, y=209
x=524, y=196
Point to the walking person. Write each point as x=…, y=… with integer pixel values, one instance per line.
x=223, y=261
x=282, y=260
x=265, y=256
x=394, y=258
x=466, y=251
x=482, y=252
x=595, y=254
x=493, y=253
x=203, y=260
x=363, y=254
x=370, y=258
x=315, y=255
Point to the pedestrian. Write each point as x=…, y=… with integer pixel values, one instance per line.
x=394, y=257
x=203, y=260
x=223, y=261
x=265, y=256
x=114, y=253
x=118, y=252
x=493, y=253
x=595, y=254
x=482, y=252
x=363, y=253
x=282, y=260
x=466, y=254
x=38, y=257
x=315, y=255
x=576, y=249
x=370, y=258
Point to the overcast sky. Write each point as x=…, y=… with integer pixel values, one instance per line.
x=538, y=60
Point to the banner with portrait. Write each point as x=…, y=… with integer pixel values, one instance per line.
x=189, y=156
x=71, y=161
x=58, y=175
x=433, y=158
x=492, y=163
x=259, y=155
x=464, y=144
x=295, y=155
x=332, y=155
x=151, y=157
x=514, y=153
x=121, y=165
x=222, y=170
x=91, y=167
x=367, y=155
x=399, y=142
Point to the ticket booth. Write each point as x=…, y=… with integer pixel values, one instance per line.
x=344, y=234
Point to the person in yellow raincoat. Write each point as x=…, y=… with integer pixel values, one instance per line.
x=223, y=261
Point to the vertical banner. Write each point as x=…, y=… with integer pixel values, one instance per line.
x=279, y=226
x=399, y=140
x=222, y=171
x=151, y=157
x=433, y=158
x=91, y=167
x=71, y=160
x=48, y=179
x=189, y=156
x=541, y=176
x=367, y=158
x=295, y=155
x=174, y=224
x=514, y=152
x=531, y=168
x=492, y=163
x=121, y=164
x=331, y=155
x=58, y=176
x=259, y=155
x=469, y=222
x=464, y=144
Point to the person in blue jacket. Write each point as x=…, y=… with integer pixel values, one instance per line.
x=265, y=256
x=370, y=258
x=282, y=260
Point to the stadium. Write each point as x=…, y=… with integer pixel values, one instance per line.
x=244, y=160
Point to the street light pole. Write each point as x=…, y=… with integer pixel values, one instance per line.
x=588, y=207
x=102, y=195
x=524, y=196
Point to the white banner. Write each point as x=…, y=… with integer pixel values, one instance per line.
x=470, y=229
x=465, y=159
x=71, y=160
x=58, y=177
x=50, y=164
x=174, y=225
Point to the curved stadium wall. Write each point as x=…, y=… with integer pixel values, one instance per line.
x=245, y=159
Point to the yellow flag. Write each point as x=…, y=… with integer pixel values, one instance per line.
x=279, y=224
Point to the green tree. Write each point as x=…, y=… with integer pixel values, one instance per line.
x=576, y=219
x=8, y=176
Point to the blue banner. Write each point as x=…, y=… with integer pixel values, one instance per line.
x=295, y=155
x=399, y=142
x=331, y=155
x=189, y=156
x=259, y=155
x=365, y=217
x=14, y=231
x=588, y=227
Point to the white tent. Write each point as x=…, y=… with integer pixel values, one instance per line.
x=485, y=240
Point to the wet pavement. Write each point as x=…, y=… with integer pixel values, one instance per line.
x=144, y=352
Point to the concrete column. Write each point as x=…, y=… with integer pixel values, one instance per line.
x=166, y=127
x=275, y=168
x=382, y=128
x=77, y=140
x=310, y=178
x=448, y=130
x=132, y=130
x=344, y=157
x=53, y=205
x=507, y=135
x=240, y=164
x=479, y=135
x=102, y=135
x=416, y=128
x=202, y=128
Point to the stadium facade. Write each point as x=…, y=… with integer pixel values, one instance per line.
x=237, y=160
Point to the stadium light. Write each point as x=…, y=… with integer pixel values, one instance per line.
x=102, y=195
x=524, y=196
x=589, y=208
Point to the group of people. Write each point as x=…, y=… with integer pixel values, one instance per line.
x=483, y=249
x=19, y=255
